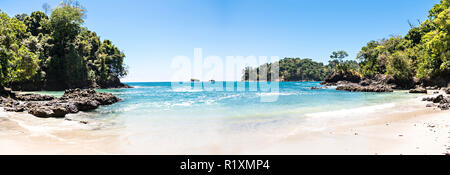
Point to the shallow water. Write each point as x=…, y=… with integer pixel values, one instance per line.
x=156, y=116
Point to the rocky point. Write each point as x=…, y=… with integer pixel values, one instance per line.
x=45, y=106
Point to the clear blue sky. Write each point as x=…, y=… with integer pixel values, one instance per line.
x=152, y=32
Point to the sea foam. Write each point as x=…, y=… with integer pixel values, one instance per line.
x=353, y=111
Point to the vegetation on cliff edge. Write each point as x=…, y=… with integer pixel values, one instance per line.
x=423, y=53
x=56, y=52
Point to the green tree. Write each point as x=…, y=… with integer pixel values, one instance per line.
x=399, y=66
x=339, y=55
x=292, y=69
x=37, y=23
x=337, y=60
x=66, y=66
x=56, y=52
x=17, y=63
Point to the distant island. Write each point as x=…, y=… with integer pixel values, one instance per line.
x=297, y=69
x=41, y=52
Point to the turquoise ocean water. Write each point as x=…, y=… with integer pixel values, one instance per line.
x=161, y=101
x=156, y=112
x=153, y=99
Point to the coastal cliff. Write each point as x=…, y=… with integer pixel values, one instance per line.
x=419, y=61
x=55, y=52
x=382, y=83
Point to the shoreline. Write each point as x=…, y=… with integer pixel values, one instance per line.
x=407, y=128
x=424, y=131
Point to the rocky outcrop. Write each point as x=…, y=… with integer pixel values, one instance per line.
x=442, y=102
x=72, y=101
x=432, y=88
x=436, y=99
x=445, y=100
x=439, y=81
x=113, y=82
x=12, y=105
x=122, y=85
x=55, y=109
x=431, y=105
x=317, y=88
x=446, y=90
x=335, y=77
x=49, y=111
x=444, y=106
x=6, y=92
x=353, y=83
x=353, y=87
x=418, y=90
x=34, y=97
x=89, y=97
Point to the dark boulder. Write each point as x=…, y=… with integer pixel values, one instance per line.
x=444, y=106
x=8, y=102
x=113, y=82
x=353, y=83
x=436, y=99
x=59, y=111
x=18, y=108
x=71, y=107
x=317, y=88
x=365, y=82
x=353, y=87
x=89, y=99
x=430, y=105
x=72, y=94
x=428, y=98
x=440, y=101
x=442, y=80
x=447, y=90
x=106, y=98
x=418, y=90
x=86, y=104
x=335, y=77
x=73, y=101
x=34, y=97
x=445, y=100
x=121, y=85
x=51, y=109
x=41, y=111
x=7, y=92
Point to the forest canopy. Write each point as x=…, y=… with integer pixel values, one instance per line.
x=297, y=69
x=56, y=52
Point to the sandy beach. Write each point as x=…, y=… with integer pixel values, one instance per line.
x=413, y=129
x=420, y=132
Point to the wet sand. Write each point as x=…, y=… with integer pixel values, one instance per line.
x=413, y=133
x=26, y=134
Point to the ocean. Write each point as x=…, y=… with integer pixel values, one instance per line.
x=190, y=117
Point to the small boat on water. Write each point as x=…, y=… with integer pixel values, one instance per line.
x=195, y=80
